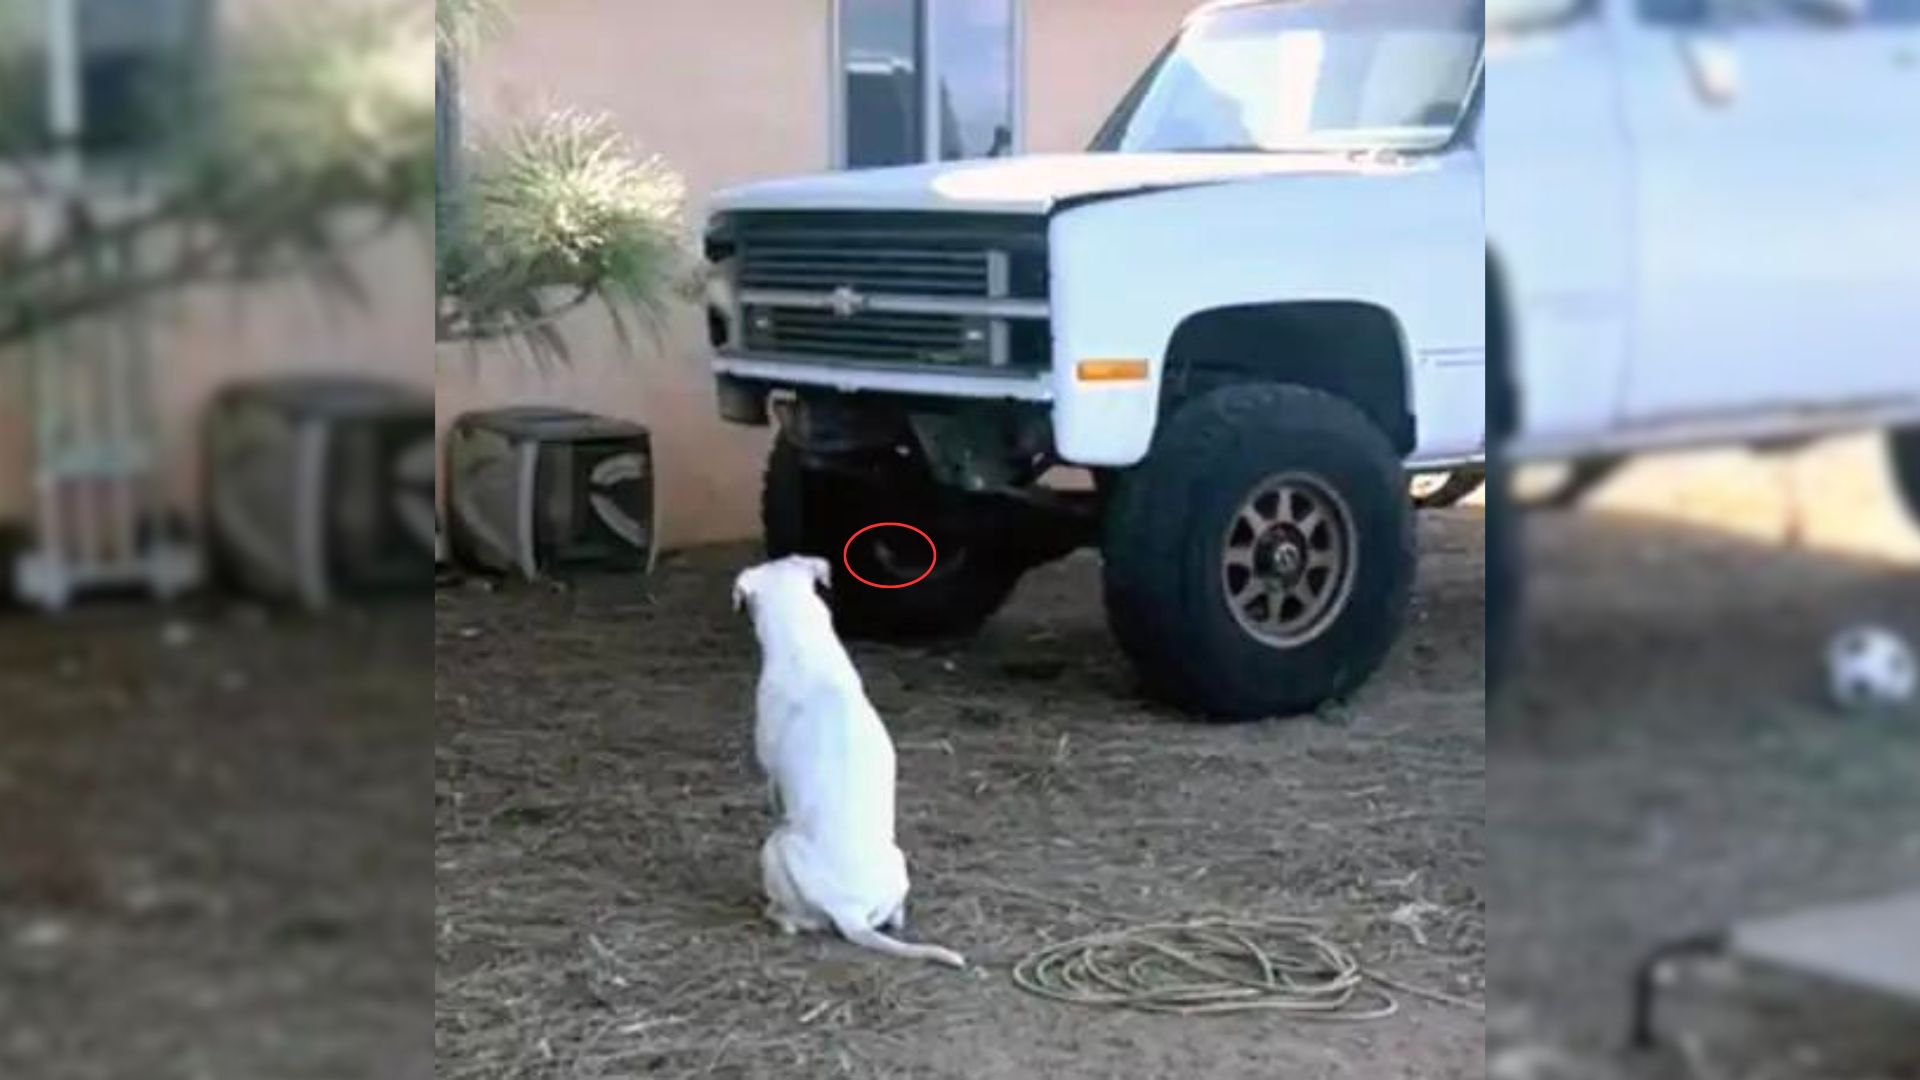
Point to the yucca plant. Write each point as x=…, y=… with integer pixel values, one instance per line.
x=555, y=214
x=546, y=216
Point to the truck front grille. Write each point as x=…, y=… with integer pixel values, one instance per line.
x=930, y=339
x=895, y=288
x=877, y=264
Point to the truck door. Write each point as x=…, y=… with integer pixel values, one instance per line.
x=1777, y=191
x=1557, y=215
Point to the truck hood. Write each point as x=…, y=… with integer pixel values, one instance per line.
x=1027, y=185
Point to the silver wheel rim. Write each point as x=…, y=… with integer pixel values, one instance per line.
x=1288, y=558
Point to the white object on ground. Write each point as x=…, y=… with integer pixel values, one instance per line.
x=1871, y=667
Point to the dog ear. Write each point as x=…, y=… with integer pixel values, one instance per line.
x=822, y=572
x=742, y=589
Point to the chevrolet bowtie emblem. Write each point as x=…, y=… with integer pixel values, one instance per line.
x=848, y=301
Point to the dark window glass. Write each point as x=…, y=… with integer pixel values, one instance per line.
x=23, y=76
x=138, y=63
x=880, y=55
x=973, y=46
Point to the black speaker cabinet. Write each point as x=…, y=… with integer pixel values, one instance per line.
x=538, y=491
x=320, y=486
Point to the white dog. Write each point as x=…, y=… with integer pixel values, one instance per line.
x=832, y=861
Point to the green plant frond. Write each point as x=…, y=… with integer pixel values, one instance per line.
x=562, y=206
x=335, y=102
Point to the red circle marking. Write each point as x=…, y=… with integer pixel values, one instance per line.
x=846, y=561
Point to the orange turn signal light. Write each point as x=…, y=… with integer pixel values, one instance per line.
x=1111, y=370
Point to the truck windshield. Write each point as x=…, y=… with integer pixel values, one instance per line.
x=1305, y=75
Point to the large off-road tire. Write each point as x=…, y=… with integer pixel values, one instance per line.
x=814, y=513
x=1903, y=445
x=1259, y=562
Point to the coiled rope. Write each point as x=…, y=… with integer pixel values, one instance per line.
x=1209, y=966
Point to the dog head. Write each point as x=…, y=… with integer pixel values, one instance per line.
x=793, y=572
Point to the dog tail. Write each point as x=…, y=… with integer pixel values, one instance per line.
x=868, y=938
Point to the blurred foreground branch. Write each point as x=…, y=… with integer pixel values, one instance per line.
x=316, y=134
x=309, y=124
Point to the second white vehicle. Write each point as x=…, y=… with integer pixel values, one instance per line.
x=1704, y=226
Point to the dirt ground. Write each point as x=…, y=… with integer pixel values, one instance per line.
x=1669, y=764
x=599, y=818
x=218, y=846
x=215, y=856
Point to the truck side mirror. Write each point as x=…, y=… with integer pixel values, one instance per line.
x=1713, y=67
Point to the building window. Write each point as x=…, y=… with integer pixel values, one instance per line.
x=926, y=80
x=23, y=80
x=108, y=76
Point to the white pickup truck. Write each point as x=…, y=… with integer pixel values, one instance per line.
x=1704, y=226
x=1247, y=311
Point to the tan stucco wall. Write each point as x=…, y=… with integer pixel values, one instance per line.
x=725, y=90
x=1082, y=56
